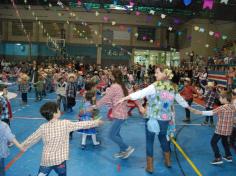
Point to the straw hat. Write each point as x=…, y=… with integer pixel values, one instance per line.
x=187, y=79
x=71, y=75
x=210, y=84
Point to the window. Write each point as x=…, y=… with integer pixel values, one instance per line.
x=82, y=31
x=146, y=33
x=55, y=29
x=17, y=29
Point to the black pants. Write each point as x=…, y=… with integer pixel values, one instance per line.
x=187, y=112
x=224, y=139
x=207, y=117
x=24, y=97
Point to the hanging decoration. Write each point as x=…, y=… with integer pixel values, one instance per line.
x=105, y=18
x=113, y=23
x=136, y=34
x=187, y=2
x=129, y=30
x=211, y=33
x=79, y=3
x=131, y=3
x=224, y=37
x=152, y=12
x=224, y=1
x=170, y=28
x=217, y=35
x=163, y=16
x=97, y=13
x=137, y=13
x=208, y=4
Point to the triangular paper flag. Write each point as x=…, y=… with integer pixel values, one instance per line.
x=187, y=2
x=208, y=4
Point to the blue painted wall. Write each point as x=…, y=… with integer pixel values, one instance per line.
x=82, y=50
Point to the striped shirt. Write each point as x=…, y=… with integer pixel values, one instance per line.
x=225, y=115
x=55, y=136
x=112, y=96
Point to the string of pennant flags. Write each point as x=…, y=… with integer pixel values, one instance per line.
x=159, y=23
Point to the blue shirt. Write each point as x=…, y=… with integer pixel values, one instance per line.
x=5, y=137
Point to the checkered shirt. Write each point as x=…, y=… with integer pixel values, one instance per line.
x=23, y=87
x=5, y=113
x=225, y=115
x=71, y=89
x=55, y=136
x=210, y=98
x=112, y=96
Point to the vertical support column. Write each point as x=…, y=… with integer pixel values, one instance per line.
x=99, y=55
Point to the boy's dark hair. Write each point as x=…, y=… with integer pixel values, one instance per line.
x=48, y=109
x=89, y=96
x=2, y=86
x=89, y=85
x=227, y=95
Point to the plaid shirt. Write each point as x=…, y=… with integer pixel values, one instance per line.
x=55, y=136
x=225, y=115
x=210, y=98
x=5, y=113
x=23, y=87
x=113, y=95
x=71, y=89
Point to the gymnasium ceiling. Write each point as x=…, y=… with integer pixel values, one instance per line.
x=175, y=8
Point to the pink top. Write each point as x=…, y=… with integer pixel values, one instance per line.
x=113, y=95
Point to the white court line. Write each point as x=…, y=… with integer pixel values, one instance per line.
x=193, y=124
x=30, y=118
x=37, y=101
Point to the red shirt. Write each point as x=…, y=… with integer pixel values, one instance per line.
x=188, y=92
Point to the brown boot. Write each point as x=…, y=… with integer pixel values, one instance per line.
x=149, y=167
x=167, y=159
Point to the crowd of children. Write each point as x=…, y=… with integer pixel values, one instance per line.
x=112, y=84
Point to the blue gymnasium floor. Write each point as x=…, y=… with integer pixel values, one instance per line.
x=195, y=141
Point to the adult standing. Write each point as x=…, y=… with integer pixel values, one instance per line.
x=119, y=112
x=160, y=95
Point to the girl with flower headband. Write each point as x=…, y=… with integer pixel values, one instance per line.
x=160, y=95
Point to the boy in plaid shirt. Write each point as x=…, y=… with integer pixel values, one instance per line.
x=55, y=136
x=224, y=126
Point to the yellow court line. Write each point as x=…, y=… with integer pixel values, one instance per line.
x=186, y=157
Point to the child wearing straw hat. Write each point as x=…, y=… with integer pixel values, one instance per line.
x=210, y=99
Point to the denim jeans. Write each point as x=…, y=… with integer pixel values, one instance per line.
x=207, y=117
x=165, y=145
x=59, y=169
x=187, y=110
x=2, y=172
x=114, y=134
x=224, y=139
x=62, y=99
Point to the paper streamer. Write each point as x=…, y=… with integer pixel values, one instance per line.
x=208, y=4
x=187, y=2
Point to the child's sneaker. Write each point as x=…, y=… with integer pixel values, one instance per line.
x=228, y=158
x=119, y=155
x=205, y=123
x=217, y=161
x=128, y=152
x=83, y=147
x=212, y=125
